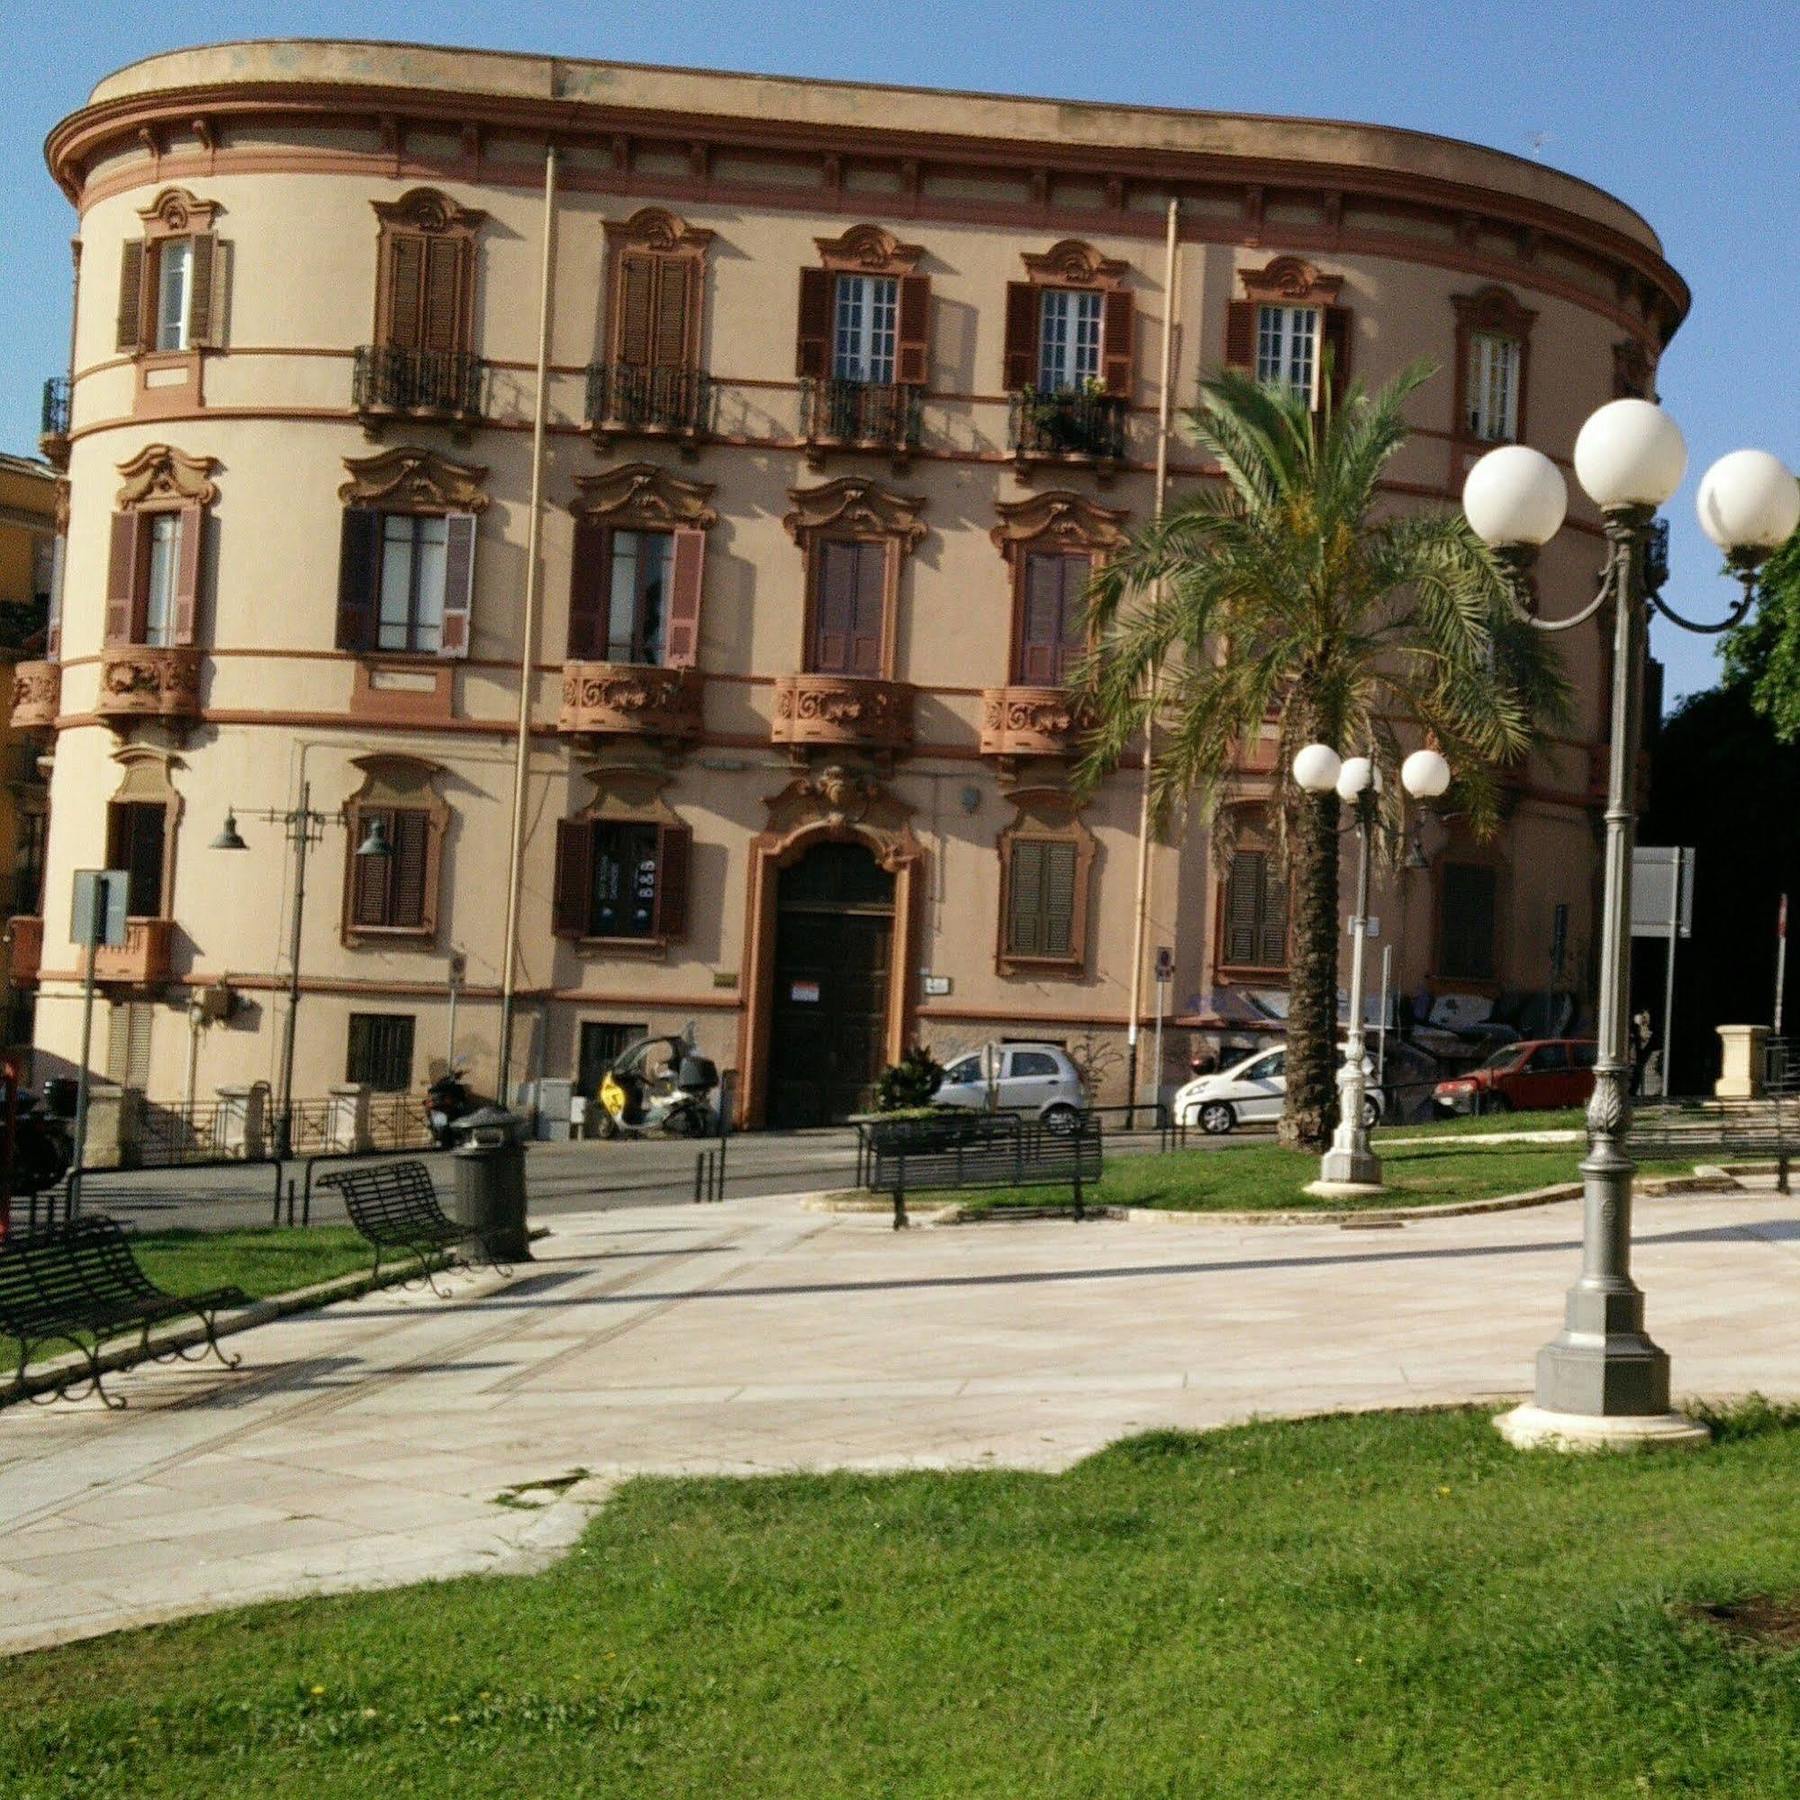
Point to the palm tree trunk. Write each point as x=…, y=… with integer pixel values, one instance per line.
x=1311, y=1104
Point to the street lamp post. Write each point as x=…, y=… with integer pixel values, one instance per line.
x=1350, y=1163
x=305, y=828
x=1602, y=1380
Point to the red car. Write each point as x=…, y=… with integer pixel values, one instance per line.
x=1532, y=1076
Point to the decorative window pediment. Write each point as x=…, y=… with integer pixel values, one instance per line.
x=642, y=497
x=661, y=233
x=428, y=210
x=175, y=212
x=410, y=479
x=162, y=475
x=1493, y=309
x=1060, y=520
x=855, y=506
x=869, y=250
x=1074, y=263
x=1292, y=279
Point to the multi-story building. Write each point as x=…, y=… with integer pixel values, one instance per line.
x=846, y=391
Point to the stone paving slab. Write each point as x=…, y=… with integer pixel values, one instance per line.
x=370, y=1443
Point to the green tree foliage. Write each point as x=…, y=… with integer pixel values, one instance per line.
x=1762, y=656
x=1293, y=593
x=910, y=1082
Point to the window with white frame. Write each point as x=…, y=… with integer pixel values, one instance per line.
x=865, y=328
x=1287, y=348
x=1493, y=387
x=174, y=286
x=160, y=577
x=410, y=613
x=1068, y=339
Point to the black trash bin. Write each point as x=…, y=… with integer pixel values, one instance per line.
x=59, y=1096
x=490, y=1181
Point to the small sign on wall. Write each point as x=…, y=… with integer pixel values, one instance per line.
x=803, y=993
x=936, y=986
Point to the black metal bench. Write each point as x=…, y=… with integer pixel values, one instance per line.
x=1701, y=1129
x=988, y=1151
x=78, y=1283
x=395, y=1207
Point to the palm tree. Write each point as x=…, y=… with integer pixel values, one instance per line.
x=1295, y=593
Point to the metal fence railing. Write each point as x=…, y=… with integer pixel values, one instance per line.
x=630, y=397
x=1069, y=424
x=861, y=412
x=386, y=378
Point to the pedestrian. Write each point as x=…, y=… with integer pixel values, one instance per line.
x=1642, y=1037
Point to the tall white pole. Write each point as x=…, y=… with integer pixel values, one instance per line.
x=1668, y=1046
x=527, y=646
x=1780, y=961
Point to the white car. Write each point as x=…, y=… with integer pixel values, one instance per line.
x=1251, y=1093
x=1030, y=1079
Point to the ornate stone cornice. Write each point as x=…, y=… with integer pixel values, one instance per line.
x=654, y=228
x=175, y=211
x=1074, y=263
x=855, y=503
x=161, y=472
x=838, y=801
x=643, y=495
x=1494, y=309
x=429, y=210
x=1291, y=278
x=869, y=250
x=1067, y=520
x=408, y=476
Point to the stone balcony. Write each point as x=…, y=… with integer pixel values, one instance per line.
x=843, y=712
x=24, y=948
x=36, y=696
x=142, y=681
x=143, y=960
x=1019, y=722
x=632, y=700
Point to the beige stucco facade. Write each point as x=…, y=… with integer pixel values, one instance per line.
x=285, y=151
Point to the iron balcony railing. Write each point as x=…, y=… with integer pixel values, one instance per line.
x=1069, y=424
x=389, y=379
x=631, y=397
x=884, y=415
x=55, y=416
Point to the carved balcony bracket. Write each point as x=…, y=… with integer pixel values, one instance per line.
x=1019, y=724
x=842, y=712
x=36, y=696
x=140, y=681
x=625, y=700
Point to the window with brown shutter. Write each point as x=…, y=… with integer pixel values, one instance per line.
x=425, y=273
x=1290, y=328
x=1052, y=633
x=172, y=278
x=849, y=601
x=1046, y=858
x=621, y=879
x=1253, y=913
x=394, y=895
x=657, y=266
x=1493, y=360
x=156, y=560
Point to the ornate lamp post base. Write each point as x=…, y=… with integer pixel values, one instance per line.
x=1533, y=1428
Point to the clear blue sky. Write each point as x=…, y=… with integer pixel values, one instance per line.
x=1687, y=112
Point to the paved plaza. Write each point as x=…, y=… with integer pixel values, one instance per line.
x=401, y=1436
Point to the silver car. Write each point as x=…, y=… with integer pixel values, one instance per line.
x=1033, y=1080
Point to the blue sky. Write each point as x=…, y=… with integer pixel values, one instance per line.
x=1688, y=114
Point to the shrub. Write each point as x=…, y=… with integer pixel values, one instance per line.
x=909, y=1082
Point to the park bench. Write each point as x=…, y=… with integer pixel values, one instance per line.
x=1701, y=1128
x=77, y=1283
x=395, y=1207
x=979, y=1151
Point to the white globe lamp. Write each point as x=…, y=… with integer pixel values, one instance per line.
x=1316, y=768
x=1357, y=776
x=1748, y=501
x=1425, y=774
x=1630, y=453
x=1515, y=495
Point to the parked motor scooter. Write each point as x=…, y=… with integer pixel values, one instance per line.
x=447, y=1099
x=43, y=1146
x=659, y=1084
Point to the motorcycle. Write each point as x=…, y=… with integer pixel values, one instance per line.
x=43, y=1146
x=447, y=1099
x=659, y=1084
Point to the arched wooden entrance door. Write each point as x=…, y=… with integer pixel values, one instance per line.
x=833, y=982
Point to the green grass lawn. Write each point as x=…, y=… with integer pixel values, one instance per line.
x=1385, y=1605
x=1569, y=1118
x=261, y=1262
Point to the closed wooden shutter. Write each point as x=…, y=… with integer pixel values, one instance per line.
x=674, y=298
x=1052, y=631
x=1240, y=335
x=871, y=594
x=1024, y=897
x=681, y=635
x=443, y=328
x=359, y=568
x=674, y=856
x=123, y=580
x=1272, y=952
x=202, y=320
x=459, y=583
x=1116, y=341
x=1021, y=351
x=131, y=296
x=189, y=569
x=574, y=877
x=370, y=876
x=1243, y=909
x=405, y=288
x=1335, y=332
x=590, y=591
x=812, y=351
x=637, y=309
x=410, y=835
x=847, y=611
x=59, y=555
x=913, y=363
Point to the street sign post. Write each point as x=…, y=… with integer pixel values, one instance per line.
x=1165, y=973
x=97, y=917
x=1662, y=905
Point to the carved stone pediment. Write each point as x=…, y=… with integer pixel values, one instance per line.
x=161, y=472
x=428, y=210
x=653, y=228
x=1291, y=278
x=855, y=503
x=407, y=476
x=843, y=801
x=627, y=790
x=641, y=495
x=175, y=211
x=1058, y=517
x=869, y=250
x=1073, y=263
x=1493, y=309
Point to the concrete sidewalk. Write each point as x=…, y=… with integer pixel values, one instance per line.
x=387, y=1439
